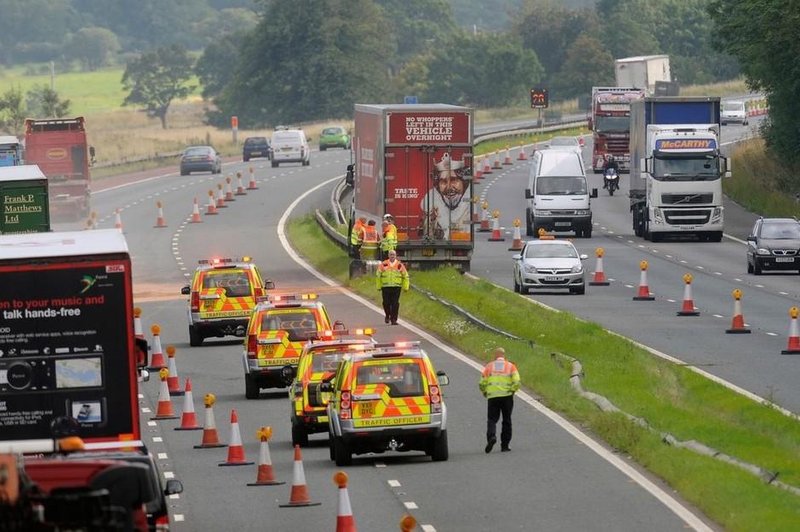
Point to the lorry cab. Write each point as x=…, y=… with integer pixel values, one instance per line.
x=558, y=194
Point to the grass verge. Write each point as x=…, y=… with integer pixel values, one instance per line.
x=671, y=398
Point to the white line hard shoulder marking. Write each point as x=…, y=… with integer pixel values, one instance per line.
x=158, y=439
x=427, y=528
x=666, y=499
x=411, y=505
x=178, y=518
x=163, y=456
x=394, y=483
x=169, y=475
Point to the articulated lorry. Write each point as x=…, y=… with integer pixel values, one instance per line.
x=24, y=204
x=59, y=147
x=610, y=125
x=414, y=162
x=676, y=168
x=67, y=352
x=642, y=72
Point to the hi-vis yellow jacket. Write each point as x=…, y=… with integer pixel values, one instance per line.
x=392, y=273
x=500, y=378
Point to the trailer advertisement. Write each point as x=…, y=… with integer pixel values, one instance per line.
x=66, y=337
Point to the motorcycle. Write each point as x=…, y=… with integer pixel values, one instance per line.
x=610, y=180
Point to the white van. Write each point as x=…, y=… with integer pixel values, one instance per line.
x=290, y=146
x=558, y=194
x=733, y=111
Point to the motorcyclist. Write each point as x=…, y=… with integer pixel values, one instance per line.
x=610, y=164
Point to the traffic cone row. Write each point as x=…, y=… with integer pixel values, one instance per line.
x=599, y=278
x=507, y=159
x=484, y=227
x=497, y=165
x=477, y=173
x=240, y=191
x=299, y=494
x=229, y=189
x=188, y=416
x=265, y=476
x=212, y=205
x=220, y=197
x=487, y=169
x=164, y=409
x=235, y=448
x=793, y=348
x=210, y=439
x=252, y=185
x=195, y=219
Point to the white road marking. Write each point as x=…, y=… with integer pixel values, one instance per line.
x=178, y=518
x=158, y=439
x=427, y=528
x=394, y=483
x=163, y=456
x=169, y=475
x=411, y=505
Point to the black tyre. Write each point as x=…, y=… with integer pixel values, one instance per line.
x=578, y=290
x=323, y=148
x=757, y=267
x=195, y=338
x=252, y=390
x=307, y=162
x=330, y=446
x=299, y=435
x=611, y=191
x=439, y=449
x=749, y=267
x=528, y=224
x=516, y=285
x=274, y=164
x=341, y=453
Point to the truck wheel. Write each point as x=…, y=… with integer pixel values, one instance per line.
x=252, y=391
x=587, y=232
x=715, y=236
x=341, y=453
x=749, y=267
x=330, y=445
x=323, y=148
x=439, y=449
x=299, y=435
x=195, y=338
x=274, y=164
x=756, y=267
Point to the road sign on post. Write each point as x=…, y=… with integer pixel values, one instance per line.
x=235, y=128
x=540, y=98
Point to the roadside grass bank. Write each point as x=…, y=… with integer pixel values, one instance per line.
x=759, y=182
x=672, y=398
x=512, y=141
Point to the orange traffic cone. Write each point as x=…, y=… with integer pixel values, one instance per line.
x=497, y=236
x=407, y=523
x=221, y=197
x=188, y=417
x=252, y=184
x=118, y=220
x=497, y=165
x=195, y=219
x=164, y=409
x=235, y=449
x=644, y=291
x=477, y=174
x=599, y=278
x=157, y=359
x=484, y=228
x=516, y=242
x=687, y=309
x=522, y=155
x=487, y=169
x=793, y=347
x=344, y=514
x=507, y=160
x=240, y=191
x=210, y=437
x=173, y=382
x=229, y=189
x=137, y=323
x=265, y=476
x=212, y=205
x=476, y=217
x=737, y=324
x=160, y=218
x=299, y=495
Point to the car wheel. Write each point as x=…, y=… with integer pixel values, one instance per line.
x=195, y=338
x=580, y=290
x=299, y=435
x=749, y=267
x=252, y=390
x=516, y=285
x=245, y=159
x=307, y=162
x=274, y=164
x=341, y=453
x=184, y=172
x=439, y=449
x=756, y=267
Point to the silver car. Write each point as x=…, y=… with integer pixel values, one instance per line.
x=548, y=264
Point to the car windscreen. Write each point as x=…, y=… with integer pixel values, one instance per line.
x=197, y=151
x=332, y=131
x=257, y=141
x=402, y=377
x=781, y=231
x=326, y=360
x=235, y=283
x=550, y=251
x=733, y=106
x=560, y=186
x=286, y=138
x=563, y=141
x=299, y=323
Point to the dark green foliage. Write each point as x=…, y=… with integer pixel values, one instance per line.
x=44, y=102
x=770, y=63
x=12, y=111
x=156, y=78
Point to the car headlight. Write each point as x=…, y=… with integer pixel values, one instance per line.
x=542, y=213
x=763, y=251
x=583, y=212
x=529, y=268
x=578, y=268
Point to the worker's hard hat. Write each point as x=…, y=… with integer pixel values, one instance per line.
x=387, y=216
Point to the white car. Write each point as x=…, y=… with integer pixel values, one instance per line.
x=548, y=264
x=566, y=143
x=734, y=112
x=290, y=146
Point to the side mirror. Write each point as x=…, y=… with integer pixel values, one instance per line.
x=528, y=193
x=751, y=238
x=186, y=290
x=594, y=193
x=173, y=486
x=269, y=284
x=584, y=256
x=517, y=256
x=443, y=379
x=240, y=332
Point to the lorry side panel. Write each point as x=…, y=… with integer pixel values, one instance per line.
x=666, y=111
x=368, y=144
x=24, y=204
x=66, y=334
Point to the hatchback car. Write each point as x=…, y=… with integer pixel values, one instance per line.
x=566, y=143
x=773, y=244
x=334, y=137
x=256, y=147
x=547, y=264
x=200, y=159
